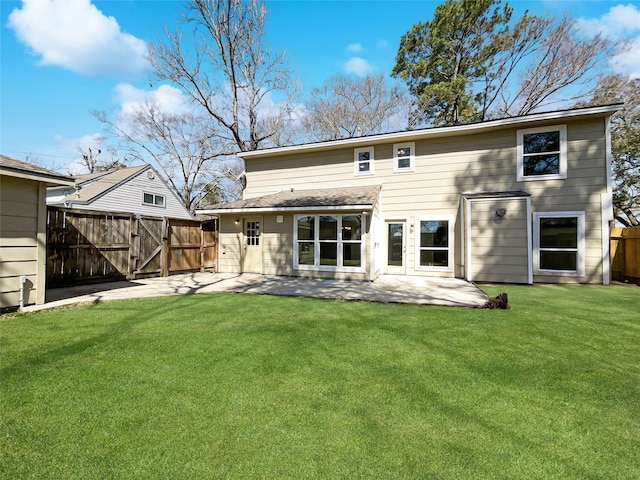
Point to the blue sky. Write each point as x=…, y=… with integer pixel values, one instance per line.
x=60, y=59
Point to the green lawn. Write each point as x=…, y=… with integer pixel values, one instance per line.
x=244, y=386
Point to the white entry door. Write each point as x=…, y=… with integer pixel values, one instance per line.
x=396, y=247
x=252, y=259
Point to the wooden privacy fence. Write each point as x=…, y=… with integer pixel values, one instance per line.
x=85, y=246
x=625, y=254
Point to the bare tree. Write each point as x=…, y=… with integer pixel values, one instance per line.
x=563, y=66
x=345, y=107
x=229, y=71
x=93, y=164
x=188, y=152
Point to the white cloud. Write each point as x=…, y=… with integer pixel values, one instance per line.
x=74, y=34
x=358, y=66
x=628, y=61
x=621, y=22
x=354, y=47
x=70, y=146
x=165, y=98
x=618, y=22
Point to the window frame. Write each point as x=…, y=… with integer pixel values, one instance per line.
x=357, y=161
x=154, y=195
x=580, y=245
x=412, y=157
x=340, y=242
x=450, y=242
x=562, y=154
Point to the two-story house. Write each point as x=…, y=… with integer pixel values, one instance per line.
x=520, y=200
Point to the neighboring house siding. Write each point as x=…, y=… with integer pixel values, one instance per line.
x=445, y=167
x=128, y=197
x=22, y=240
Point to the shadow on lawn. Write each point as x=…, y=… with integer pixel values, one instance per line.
x=74, y=347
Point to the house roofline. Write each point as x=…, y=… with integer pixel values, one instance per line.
x=324, y=208
x=411, y=135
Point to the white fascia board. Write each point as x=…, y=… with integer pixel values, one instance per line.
x=221, y=211
x=432, y=132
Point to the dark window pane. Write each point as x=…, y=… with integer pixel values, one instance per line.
x=560, y=232
x=328, y=227
x=351, y=253
x=351, y=227
x=542, y=164
x=159, y=200
x=558, y=261
x=306, y=228
x=394, y=255
x=434, y=258
x=148, y=198
x=434, y=233
x=404, y=152
x=541, y=142
x=363, y=167
x=329, y=253
x=305, y=253
x=404, y=163
x=363, y=157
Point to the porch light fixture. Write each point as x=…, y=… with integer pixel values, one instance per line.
x=237, y=221
x=501, y=212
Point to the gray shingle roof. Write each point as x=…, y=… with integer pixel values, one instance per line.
x=326, y=197
x=95, y=184
x=17, y=166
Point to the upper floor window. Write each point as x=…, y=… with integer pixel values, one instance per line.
x=153, y=199
x=542, y=153
x=363, y=161
x=404, y=157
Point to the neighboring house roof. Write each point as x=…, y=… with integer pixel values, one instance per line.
x=94, y=185
x=363, y=198
x=411, y=135
x=16, y=168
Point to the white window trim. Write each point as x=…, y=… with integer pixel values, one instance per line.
x=580, y=251
x=562, y=167
x=356, y=161
x=412, y=157
x=316, y=245
x=164, y=200
x=416, y=241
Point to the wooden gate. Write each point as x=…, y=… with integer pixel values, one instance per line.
x=85, y=246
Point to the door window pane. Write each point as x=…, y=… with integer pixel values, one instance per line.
x=395, y=245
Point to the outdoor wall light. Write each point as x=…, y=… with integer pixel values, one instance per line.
x=501, y=212
x=237, y=221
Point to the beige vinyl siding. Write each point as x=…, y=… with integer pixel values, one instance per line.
x=22, y=240
x=445, y=167
x=499, y=250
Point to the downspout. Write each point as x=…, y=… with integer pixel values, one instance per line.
x=23, y=281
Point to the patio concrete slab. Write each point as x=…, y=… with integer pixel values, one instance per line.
x=386, y=289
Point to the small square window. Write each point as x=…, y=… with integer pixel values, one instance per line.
x=542, y=153
x=404, y=157
x=363, y=161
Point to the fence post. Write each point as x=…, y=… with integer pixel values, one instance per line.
x=164, y=255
